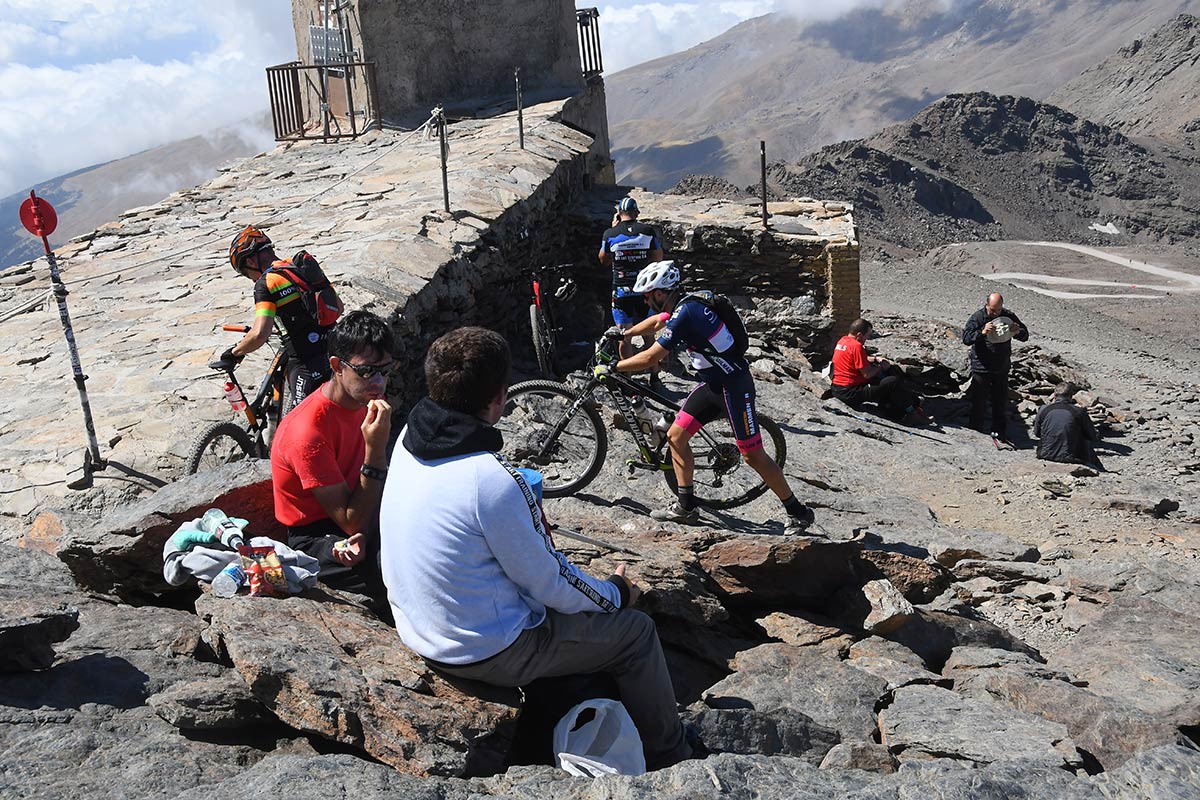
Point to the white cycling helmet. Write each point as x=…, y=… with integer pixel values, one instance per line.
x=659, y=275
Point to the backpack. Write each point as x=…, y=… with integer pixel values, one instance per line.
x=725, y=311
x=316, y=292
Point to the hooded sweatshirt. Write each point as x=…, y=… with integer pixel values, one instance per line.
x=466, y=559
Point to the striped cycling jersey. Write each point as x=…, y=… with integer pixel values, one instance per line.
x=630, y=243
x=694, y=325
x=275, y=295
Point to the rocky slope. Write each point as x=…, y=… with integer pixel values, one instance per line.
x=964, y=631
x=1150, y=87
x=802, y=85
x=979, y=166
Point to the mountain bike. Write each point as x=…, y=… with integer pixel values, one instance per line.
x=227, y=442
x=549, y=286
x=557, y=429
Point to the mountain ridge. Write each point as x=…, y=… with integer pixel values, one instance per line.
x=801, y=86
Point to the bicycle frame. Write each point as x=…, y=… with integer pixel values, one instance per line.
x=620, y=387
x=255, y=410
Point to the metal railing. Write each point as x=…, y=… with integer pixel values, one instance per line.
x=289, y=83
x=589, y=41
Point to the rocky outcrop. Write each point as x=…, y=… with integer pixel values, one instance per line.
x=122, y=553
x=924, y=722
x=33, y=612
x=353, y=682
x=802, y=679
x=762, y=570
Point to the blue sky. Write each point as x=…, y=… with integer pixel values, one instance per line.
x=87, y=81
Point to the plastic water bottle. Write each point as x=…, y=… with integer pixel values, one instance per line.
x=233, y=393
x=216, y=521
x=645, y=418
x=229, y=581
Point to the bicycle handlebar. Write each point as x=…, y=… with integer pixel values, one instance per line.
x=236, y=328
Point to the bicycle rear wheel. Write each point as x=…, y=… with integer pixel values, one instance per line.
x=218, y=444
x=722, y=478
x=541, y=432
x=543, y=340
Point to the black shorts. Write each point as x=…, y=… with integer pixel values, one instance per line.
x=303, y=378
x=734, y=399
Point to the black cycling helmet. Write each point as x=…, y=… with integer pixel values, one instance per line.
x=245, y=244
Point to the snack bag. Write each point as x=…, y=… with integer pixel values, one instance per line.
x=264, y=570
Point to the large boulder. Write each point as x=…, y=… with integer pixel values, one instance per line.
x=778, y=732
x=1109, y=730
x=934, y=634
x=82, y=729
x=917, y=579
x=327, y=667
x=122, y=553
x=925, y=722
x=773, y=571
x=803, y=679
x=1140, y=653
x=1169, y=772
x=36, y=608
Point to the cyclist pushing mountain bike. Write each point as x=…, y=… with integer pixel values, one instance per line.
x=297, y=294
x=709, y=327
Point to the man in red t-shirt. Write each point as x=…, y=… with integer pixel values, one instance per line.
x=859, y=378
x=329, y=459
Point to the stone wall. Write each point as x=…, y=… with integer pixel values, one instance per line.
x=460, y=54
x=797, y=280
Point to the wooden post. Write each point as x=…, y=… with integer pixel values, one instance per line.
x=762, y=151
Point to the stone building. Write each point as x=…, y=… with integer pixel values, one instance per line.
x=460, y=55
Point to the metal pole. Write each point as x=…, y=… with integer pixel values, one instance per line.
x=520, y=110
x=441, y=126
x=762, y=151
x=325, y=77
x=92, y=460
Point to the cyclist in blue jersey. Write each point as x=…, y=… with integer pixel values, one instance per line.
x=627, y=247
x=726, y=388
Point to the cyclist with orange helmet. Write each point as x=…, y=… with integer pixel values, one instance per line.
x=279, y=295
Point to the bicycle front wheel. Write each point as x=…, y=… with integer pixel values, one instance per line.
x=543, y=340
x=722, y=478
x=544, y=429
x=218, y=444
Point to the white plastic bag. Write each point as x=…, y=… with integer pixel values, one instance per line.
x=607, y=744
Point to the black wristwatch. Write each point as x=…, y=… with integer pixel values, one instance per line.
x=374, y=473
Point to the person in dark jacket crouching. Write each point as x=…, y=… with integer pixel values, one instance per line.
x=1064, y=430
x=476, y=585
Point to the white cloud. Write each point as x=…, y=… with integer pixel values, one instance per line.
x=637, y=32
x=632, y=32
x=99, y=80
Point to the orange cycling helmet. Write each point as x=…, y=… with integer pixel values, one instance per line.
x=245, y=244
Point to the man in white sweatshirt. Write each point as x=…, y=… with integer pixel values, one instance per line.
x=474, y=581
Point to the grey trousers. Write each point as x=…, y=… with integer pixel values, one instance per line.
x=624, y=645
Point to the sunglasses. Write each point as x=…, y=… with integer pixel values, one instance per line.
x=369, y=371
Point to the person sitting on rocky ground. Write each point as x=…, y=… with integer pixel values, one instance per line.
x=1064, y=430
x=475, y=582
x=726, y=389
x=329, y=460
x=859, y=378
x=276, y=296
x=989, y=333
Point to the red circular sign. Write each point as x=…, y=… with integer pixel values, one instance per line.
x=39, y=219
